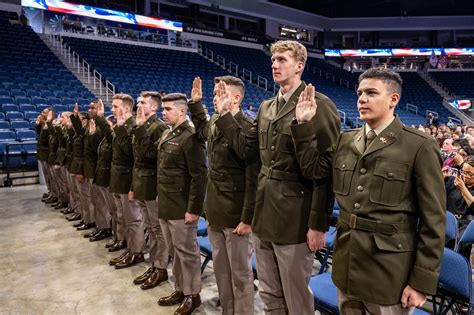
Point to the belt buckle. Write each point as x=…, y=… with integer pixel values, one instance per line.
x=270, y=171
x=353, y=221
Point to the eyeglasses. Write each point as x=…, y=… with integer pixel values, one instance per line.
x=468, y=174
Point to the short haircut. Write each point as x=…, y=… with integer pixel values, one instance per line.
x=299, y=52
x=389, y=77
x=232, y=81
x=176, y=98
x=126, y=99
x=66, y=114
x=155, y=96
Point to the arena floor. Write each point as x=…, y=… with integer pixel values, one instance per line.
x=47, y=267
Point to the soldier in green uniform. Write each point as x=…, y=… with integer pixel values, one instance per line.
x=79, y=123
x=292, y=213
x=74, y=200
x=228, y=217
x=53, y=145
x=389, y=186
x=42, y=151
x=60, y=170
x=181, y=189
x=121, y=182
x=148, y=131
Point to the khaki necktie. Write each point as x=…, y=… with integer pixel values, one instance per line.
x=280, y=103
x=371, y=135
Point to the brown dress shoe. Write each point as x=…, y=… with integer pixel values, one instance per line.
x=130, y=260
x=118, y=246
x=74, y=217
x=142, y=278
x=175, y=298
x=115, y=260
x=155, y=279
x=189, y=304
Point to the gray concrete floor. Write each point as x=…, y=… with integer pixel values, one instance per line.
x=47, y=267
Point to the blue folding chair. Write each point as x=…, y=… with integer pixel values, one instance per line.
x=206, y=250
x=468, y=235
x=455, y=284
x=330, y=239
x=202, y=227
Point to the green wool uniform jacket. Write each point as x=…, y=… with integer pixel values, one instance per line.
x=62, y=148
x=287, y=203
x=53, y=144
x=104, y=159
x=77, y=163
x=226, y=177
x=91, y=143
x=144, y=154
x=69, y=147
x=122, y=155
x=391, y=228
x=181, y=173
x=43, y=142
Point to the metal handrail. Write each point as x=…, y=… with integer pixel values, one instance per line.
x=248, y=72
x=455, y=120
x=359, y=122
x=264, y=80
x=236, y=68
x=435, y=114
x=342, y=115
x=109, y=86
x=412, y=108
x=220, y=61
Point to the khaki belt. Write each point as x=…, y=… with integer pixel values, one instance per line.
x=357, y=223
x=269, y=172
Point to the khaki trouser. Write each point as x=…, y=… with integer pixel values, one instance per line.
x=60, y=183
x=182, y=238
x=159, y=255
x=232, y=261
x=132, y=222
x=111, y=209
x=102, y=216
x=283, y=273
x=74, y=201
x=86, y=201
x=47, y=174
x=352, y=306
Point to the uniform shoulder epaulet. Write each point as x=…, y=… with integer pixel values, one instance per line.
x=415, y=132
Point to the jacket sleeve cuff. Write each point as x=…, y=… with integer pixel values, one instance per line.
x=226, y=122
x=423, y=280
x=319, y=221
x=302, y=131
x=194, y=209
x=195, y=107
x=120, y=132
x=247, y=216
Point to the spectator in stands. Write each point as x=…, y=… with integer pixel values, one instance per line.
x=447, y=152
x=78, y=26
x=228, y=216
x=383, y=263
x=431, y=120
x=285, y=252
x=181, y=190
x=460, y=190
x=101, y=28
x=470, y=130
x=450, y=123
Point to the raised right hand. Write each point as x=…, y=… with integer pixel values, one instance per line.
x=306, y=107
x=100, y=108
x=196, y=92
x=223, y=99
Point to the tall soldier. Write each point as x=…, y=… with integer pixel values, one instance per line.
x=292, y=213
x=388, y=183
x=74, y=200
x=121, y=182
x=148, y=131
x=181, y=189
x=228, y=217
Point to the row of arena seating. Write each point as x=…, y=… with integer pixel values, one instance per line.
x=132, y=70
x=458, y=82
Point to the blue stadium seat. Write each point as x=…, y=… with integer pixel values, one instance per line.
x=14, y=116
x=4, y=125
x=27, y=108
x=7, y=136
x=10, y=108
x=6, y=100
x=26, y=135
x=20, y=124
x=31, y=116
x=61, y=108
